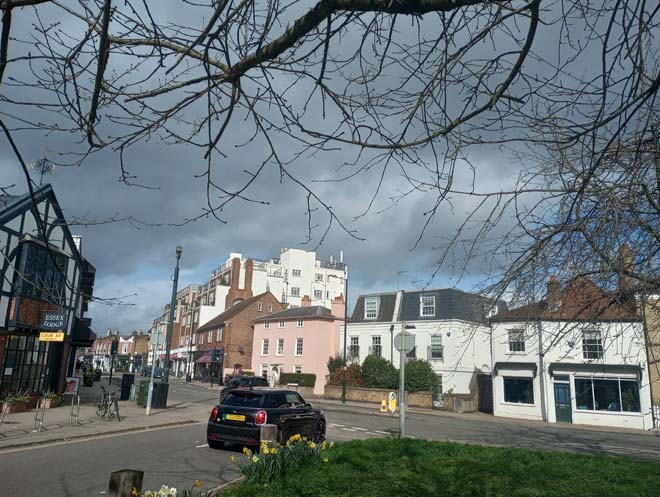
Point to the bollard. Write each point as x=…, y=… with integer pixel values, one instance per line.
x=123, y=482
x=383, y=406
x=268, y=435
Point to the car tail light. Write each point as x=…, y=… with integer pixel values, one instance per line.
x=214, y=414
x=261, y=418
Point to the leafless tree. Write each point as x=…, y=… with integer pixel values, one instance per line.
x=409, y=88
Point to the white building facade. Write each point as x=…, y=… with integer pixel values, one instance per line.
x=590, y=369
x=449, y=326
x=291, y=276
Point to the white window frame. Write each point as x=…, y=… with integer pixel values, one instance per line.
x=427, y=306
x=282, y=323
x=210, y=337
x=295, y=291
x=266, y=325
x=592, y=351
x=299, y=346
x=318, y=277
x=301, y=323
x=263, y=368
x=264, y=347
x=367, y=311
x=295, y=273
x=280, y=347
x=260, y=307
x=270, y=308
x=297, y=369
x=218, y=334
x=520, y=335
x=318, y=294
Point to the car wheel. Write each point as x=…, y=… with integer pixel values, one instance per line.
x=214, y=444
x=319, y=431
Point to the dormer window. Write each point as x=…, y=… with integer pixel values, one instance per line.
x=370, y=308
x=427, y=305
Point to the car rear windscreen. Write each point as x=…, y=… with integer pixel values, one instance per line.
x=244, y=399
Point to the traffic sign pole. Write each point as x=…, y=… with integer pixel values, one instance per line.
x=402, y=384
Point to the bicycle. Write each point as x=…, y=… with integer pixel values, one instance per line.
x=106, y=405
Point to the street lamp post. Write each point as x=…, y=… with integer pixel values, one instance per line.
x=343, y=378
x=170, y=323
x=343, y=375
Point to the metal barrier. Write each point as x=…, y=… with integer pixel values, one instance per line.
x=5, y=408
x=39, y=415
x=74, y=413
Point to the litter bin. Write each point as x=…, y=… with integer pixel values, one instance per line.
x=159, y=395
x=97, y=375
x=188, y=378
x=127, y=381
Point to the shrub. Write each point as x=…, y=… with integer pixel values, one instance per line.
x=378, y=372
x=420, y=376
x=275, y=462
x=302, y=379
x=353, y=376
x=335, y=363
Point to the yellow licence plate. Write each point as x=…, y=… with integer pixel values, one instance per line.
x=234, y=417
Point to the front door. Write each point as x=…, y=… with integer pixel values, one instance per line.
x=485, y=385
x=563, y=408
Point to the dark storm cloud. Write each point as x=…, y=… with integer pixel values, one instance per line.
x=135, y=258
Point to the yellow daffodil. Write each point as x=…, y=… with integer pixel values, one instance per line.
x=247, y=451
x=332, y=444
x=324, y=445
x=255, y=459
x=273, y=450
x=233, y=458
x=134, y=492
x=265, y=450
x=312, y=445
x=198, y=483
x=325, y=459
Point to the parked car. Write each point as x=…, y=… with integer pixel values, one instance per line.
x=146, y=371
x=242, y=382
x=158, y=372
x=239, y=417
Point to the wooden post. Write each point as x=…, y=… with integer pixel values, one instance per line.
x=123, y=482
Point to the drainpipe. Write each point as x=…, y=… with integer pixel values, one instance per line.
x=649, y=356
x=541, y=372
x=392, y=343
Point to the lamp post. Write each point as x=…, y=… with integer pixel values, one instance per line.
x=170, y=322
x=343, y=375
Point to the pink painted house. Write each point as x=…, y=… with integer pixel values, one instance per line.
x=298, y=340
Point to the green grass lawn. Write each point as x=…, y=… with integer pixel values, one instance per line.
x=416, y=468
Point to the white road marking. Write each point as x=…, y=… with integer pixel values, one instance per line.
x=359, y=429
x=381, y=432
x=336, y=425
x=200, y=446
x=348, y=429
x=371, y=433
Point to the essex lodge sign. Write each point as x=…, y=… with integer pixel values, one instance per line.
x=53, y=325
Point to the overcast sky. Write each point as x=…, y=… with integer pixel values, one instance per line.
x=134, y=251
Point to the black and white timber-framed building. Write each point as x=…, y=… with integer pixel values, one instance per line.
x=41, y=270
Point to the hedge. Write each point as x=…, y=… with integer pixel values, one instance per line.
x=302, y=379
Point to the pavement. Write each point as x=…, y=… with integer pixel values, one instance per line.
x=17, y=430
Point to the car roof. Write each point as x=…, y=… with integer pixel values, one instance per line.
x=264, y=390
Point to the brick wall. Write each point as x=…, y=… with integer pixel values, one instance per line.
x=376, y=395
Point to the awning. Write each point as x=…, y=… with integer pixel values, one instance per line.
x=597, y=368
x=82, y=335
x=516, y=366
x=204, y=358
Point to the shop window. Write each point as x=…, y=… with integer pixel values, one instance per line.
x=519, y=390
x=595, y=394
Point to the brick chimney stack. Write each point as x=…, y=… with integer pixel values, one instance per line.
x=554, y=293
x=306, y=301
x=337, y=306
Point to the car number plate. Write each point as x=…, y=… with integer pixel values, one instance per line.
x=234, y=417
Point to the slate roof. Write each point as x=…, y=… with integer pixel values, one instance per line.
x=450, y=303
x=231, y=312
x=580, y=300
x=385, y=308
x=315, y=311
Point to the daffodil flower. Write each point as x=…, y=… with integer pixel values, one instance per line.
x=198, y=483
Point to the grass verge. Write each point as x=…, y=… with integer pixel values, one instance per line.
x=418, y=468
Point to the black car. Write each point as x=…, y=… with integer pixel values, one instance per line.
x=242, y=382
x=238, y=419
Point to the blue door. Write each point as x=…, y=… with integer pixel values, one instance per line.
x=563, y=409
